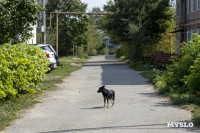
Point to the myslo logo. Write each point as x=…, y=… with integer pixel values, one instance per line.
x=180, y=124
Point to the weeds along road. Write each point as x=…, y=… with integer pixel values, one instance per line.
x=76, y=107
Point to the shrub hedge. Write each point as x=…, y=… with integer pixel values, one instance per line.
x=22, y=68
x=183, y=74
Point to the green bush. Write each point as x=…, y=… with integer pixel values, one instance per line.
x=192, y=80
x=93, y=52
x=119, y=52
x=183, y=74
x=196, y=116
x=81, y=52
x=106, y=51
x=21, y=66
x=122, y=58
x=112, y=51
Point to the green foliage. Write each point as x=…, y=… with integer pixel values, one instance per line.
x=95, y=37
x=122, y=58
x=21, y=66
x=184, y=99
x=196, y=116
x=51, y=37
x=119, y=52
x=10, y=109
x=137, y=23
x=81, y=52
x=72, y=28
x=16, y=19
x=139, y=66
x=149, y=75
x=104, y=51
x=183, y=74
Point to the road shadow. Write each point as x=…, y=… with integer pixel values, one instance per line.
x=94, y=108
x=164, y=103
x=141, y=127
x=109, y=127
x=119, y=73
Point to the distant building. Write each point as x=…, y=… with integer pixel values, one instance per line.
x=187, y=20
x=32, y=40
x=107, y=42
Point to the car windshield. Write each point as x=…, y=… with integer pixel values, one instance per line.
x=46, y=48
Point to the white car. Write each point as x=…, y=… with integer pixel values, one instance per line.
x=51, y=58
x=50, y=55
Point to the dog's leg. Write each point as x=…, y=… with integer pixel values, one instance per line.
x=108, y=103
x=111, y=102
x=104, y=102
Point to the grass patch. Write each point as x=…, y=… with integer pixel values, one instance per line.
x=10, y=108
x=139, y=66
x=71, y=59
x=184, y=99
x=196, y=116
x=148, y=75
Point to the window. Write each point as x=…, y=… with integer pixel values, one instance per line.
x=198, y=6
x=188, y=36
x=188, y=6
x=192, y=5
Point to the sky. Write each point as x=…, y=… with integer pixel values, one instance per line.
x=94, y=3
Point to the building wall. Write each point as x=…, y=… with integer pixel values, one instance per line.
x=32, y=40
x=187, y=20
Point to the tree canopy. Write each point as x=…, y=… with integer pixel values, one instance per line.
x=136, y=23
x=16, y=19
x=72, y=28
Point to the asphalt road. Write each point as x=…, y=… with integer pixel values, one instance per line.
x=76, y=107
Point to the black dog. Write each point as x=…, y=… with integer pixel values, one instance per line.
x=107, y=94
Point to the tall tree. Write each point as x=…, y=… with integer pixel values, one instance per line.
x=94, y=35
x=16, y=19
x=72, y=28
x=135, y=23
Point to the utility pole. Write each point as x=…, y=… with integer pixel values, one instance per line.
x=43, y=28
x=170, y=44
x=57, y=33
x=73, y=13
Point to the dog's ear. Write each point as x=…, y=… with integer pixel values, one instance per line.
x=103, y=86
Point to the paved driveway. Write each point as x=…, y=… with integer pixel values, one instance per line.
x=76, y=107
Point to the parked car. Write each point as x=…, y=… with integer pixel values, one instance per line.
x=50, y=55
x=48, y=47
x=51, y=58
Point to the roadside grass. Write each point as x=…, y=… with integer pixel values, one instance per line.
x=185, y=101
x=147, y=73
x=12, y=108
x=140, y=66
x=196, y=116
x=71, y=59
x=150, y=75
x=9, y=109
x=190, y=103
